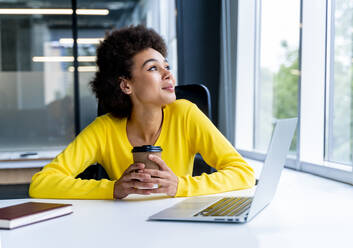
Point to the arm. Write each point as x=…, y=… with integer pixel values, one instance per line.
x=233, y=171
x=57, y=179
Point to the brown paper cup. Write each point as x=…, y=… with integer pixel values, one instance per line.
x=140, y=155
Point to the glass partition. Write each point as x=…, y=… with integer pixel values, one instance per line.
x=36, y=65
x=36, y=97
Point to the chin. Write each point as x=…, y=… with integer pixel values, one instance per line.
x=169, y=100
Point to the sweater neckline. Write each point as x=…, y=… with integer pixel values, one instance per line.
x=161, y=134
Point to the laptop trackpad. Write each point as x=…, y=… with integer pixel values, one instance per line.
x=188, y=207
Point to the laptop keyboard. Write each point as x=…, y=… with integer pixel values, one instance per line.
x=228, y=206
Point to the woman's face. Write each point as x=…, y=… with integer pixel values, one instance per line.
x=151, y=81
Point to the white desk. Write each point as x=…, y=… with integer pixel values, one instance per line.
x=307, y=211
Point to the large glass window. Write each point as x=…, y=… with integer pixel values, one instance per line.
x=37, y=100
x=339, y=144
x=276, y=94
x=324, y=100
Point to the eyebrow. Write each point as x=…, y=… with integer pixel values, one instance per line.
x=151, y=60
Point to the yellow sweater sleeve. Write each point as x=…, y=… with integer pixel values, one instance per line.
x=233, y=172
x=57, y=179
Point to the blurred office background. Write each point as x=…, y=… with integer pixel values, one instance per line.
x=261, y=59
x=37, y=71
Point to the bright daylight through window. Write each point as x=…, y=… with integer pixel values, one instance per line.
x=277, y=80
x=301, y=56
x=339, y=145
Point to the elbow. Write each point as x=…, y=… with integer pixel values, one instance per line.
x=249, y=179
x=251, y=182
x=34, y=190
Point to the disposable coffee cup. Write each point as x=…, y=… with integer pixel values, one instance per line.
x=141, y=153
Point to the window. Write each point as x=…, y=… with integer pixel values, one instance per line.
x=301, y=55
x=37, y=93
x=339, y=145
x=276, y=94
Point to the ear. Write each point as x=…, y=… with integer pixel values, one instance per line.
x=125, y=86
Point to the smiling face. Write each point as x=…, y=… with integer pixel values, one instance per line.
x=151, y=81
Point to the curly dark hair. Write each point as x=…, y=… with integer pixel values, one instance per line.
x=114, y=61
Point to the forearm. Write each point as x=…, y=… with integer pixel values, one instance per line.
x=51, y=184
x=231, y=178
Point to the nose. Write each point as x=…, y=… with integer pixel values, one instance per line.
x=167, y=74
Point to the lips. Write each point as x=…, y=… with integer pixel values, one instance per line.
x=169, y=88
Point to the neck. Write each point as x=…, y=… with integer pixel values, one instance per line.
x=144, y=125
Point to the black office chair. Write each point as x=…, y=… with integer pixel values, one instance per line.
x=196, y=93
x=200, y=95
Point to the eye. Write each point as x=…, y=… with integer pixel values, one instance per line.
x=168, y=67
x=152, y=68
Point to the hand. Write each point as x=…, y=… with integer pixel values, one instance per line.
x=165, y=177
x=131, y=181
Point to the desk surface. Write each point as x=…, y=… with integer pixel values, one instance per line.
x=307, y=211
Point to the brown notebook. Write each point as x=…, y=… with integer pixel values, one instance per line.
x=31, y=212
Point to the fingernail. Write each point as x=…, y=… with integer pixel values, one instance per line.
x=150, y=156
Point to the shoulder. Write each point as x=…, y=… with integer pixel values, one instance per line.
x=106, y=118
x=180, y=106
x=106, y=121
x=185, y=110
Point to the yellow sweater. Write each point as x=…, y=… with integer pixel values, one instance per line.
x=185, y=132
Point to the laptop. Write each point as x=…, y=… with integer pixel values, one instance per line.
x=239, y=209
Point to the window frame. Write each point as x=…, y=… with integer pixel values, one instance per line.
x=315, y=53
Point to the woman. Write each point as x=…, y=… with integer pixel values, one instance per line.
x=136, y=87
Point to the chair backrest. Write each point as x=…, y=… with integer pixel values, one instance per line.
x=196, y=93
x=199, y=95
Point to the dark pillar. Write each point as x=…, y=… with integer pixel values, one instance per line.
x=198, y=34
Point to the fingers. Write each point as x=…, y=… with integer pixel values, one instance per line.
x=132, y=182
x=138, y=180
x=158, y=190
x=159, y=161
x=133, y=167
x=137, y=176
x=155, y=180
x=165, y=190
x=137, y=185
x=139, y=191
x=155, y=173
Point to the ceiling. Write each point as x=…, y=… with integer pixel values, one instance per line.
x=118, y=10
